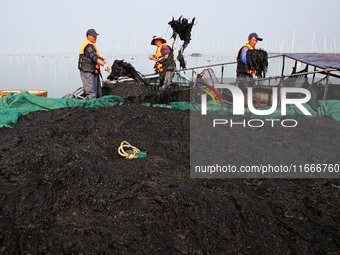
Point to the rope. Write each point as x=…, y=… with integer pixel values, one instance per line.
x=132, y=152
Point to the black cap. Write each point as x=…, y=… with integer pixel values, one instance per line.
x=91, y=32
x=256, y=36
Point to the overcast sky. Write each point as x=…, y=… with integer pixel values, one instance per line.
x=126, y=27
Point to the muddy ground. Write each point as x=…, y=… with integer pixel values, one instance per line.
x=65, y=190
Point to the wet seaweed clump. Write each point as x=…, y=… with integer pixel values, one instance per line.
x=257, y=60
x=182, y=27
x=120, y=69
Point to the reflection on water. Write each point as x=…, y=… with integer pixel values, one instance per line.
x=56, y=74
x=59, y=75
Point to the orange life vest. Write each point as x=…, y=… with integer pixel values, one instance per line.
x=158, y=54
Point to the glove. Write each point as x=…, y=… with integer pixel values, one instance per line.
x=152, y=57
x=107, y=68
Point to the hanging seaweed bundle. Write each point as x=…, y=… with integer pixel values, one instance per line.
x=257, y=60
x=120, y=68
x=182, y=28
x=181, y=60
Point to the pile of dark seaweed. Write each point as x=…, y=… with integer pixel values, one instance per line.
x=65, y=190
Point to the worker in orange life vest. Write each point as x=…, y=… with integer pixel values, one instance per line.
x=164, y=61
x=243, y=74
x=89, y=64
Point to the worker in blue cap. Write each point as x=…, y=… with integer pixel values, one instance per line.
x=243, y=73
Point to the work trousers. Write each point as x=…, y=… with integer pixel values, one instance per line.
x=244, y=81
x=166, y=79
x=91, y=85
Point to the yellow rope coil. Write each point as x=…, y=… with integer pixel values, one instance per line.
x=123, y=153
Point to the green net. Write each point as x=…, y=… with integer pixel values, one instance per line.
x=329, y=108
x=14, y=105
x=181, y=106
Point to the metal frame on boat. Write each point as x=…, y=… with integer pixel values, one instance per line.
x=315, y=75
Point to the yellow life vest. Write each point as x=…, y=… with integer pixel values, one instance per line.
x=246, y=45
x=158, y=54
x=85, y=43
x=86, y=64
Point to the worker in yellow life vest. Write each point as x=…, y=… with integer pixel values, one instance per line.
x=164, y=62
x=89, y=64
x=243, y=73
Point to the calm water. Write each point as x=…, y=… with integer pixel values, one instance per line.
x=58, y=74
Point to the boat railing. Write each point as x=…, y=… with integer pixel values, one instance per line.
x=222, y=66
x=277, y=80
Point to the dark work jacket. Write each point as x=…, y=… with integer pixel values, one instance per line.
x=242, y=67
